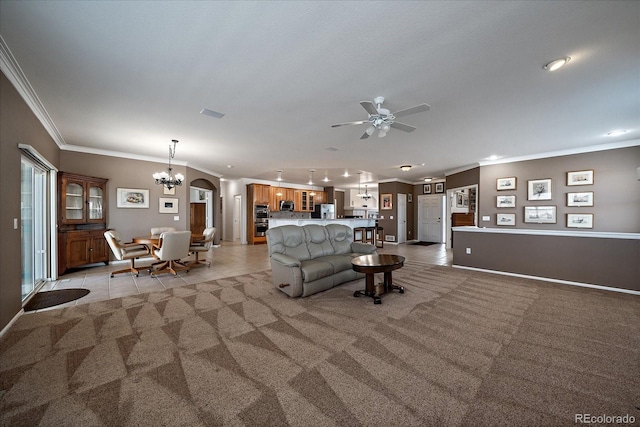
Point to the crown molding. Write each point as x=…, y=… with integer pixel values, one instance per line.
x=568, y=152
x=12, y=70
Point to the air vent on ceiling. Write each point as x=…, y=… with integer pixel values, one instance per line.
x=211, y=113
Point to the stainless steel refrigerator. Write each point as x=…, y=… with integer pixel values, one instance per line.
x=324, y=211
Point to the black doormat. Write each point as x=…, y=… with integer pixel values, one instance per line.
x=424, y=243
x=51, y=298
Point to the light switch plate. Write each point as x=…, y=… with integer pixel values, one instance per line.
x=486, y=218
x=176, y=218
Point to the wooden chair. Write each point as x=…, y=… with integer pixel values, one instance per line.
x=202, y=246
x=172, y=247
x=124, y=251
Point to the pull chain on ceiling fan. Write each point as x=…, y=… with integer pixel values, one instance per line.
x=382, y=119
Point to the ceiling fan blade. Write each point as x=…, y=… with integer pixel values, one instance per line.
x=368, y=105
x=364, y=136
x=350, y=123
x=403, y=126
x=416, y=109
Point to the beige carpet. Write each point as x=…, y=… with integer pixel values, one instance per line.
x=458, y=348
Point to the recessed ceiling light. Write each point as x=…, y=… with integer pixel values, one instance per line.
x=493, y=157
x=556, y=63
x=229, y=166
x=617, y=132
x=346, y=174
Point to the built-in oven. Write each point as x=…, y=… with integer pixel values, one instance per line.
x=260, y=220
x=261, y=212
x=260, y=228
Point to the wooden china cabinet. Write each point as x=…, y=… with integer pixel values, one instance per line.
x=82, y=221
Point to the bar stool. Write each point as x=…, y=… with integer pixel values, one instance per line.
x=363, y=234
x=379, y=237
x=369, y=235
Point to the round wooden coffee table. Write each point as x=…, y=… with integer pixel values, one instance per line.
x=377, y=263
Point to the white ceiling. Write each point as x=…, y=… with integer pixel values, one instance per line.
x=129, y=77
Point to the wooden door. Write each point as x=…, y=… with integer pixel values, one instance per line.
x=198, y=218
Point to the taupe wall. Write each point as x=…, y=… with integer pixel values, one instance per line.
x=598, y=261
x=126, y=173
x=17, y=125
x=391, y=225
x=616, y=189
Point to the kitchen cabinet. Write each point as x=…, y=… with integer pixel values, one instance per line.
x=304, y=201
x=261, y=193
x=320, y=197
x=286, y=194
x=82, y=221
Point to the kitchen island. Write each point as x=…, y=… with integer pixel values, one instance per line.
x=350, y=222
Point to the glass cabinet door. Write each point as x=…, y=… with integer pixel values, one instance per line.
x=74, y=201
x=96, y=198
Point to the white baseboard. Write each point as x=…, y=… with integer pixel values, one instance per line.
x=11, y=322
x=547, y=279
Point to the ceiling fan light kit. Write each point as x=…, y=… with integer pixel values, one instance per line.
x=557, y=63
x=382, y=120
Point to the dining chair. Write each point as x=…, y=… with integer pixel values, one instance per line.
x=202, y=246
x=125, y=251
x=171, y=248
x=156, y=231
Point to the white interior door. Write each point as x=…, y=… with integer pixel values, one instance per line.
x=237, y=210
x=402, y=218
x=430, y=217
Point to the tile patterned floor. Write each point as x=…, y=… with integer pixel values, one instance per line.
x=228, y=259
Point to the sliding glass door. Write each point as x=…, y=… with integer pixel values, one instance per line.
x=33, y=218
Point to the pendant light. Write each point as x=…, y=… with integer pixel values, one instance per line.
x=311, y=171
x=279, y=179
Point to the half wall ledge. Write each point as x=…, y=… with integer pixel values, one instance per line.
x=595, y=259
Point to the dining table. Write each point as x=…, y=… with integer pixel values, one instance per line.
x=153, y=240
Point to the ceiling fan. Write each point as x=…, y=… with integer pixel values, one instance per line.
x=382, y=119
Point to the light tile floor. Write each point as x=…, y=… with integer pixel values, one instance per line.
x=228, y=259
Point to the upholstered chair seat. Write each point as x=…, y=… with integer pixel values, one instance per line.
x=202, y=246
x=125, y=251
x=171, y=248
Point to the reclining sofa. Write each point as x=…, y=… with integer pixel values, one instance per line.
x=312, y=258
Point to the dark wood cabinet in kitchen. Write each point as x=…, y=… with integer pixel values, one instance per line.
x=82, y=221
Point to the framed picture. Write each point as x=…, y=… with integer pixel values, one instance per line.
x=540, y=214
x=506, y=183
x=169, y=192
x=426, y=188
x=580, y=220
x=506, y=219
x=580, y=199
x=439, y=187
x=539, y=189
x=409, y=198
x=580, y=177
x=505, y=201
x=459, y=199
x=168, y=205
x=132, y=198
x=386, y=202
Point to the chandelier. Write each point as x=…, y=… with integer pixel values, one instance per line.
x=364, y=196
x=167, y=179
